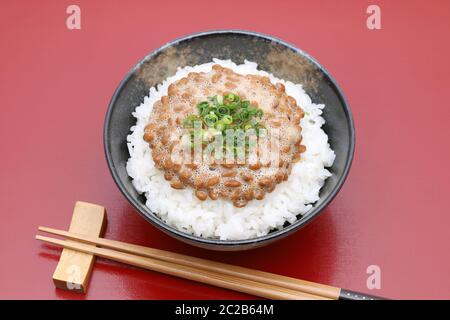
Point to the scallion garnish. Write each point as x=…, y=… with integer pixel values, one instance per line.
x=245, y=104
x=244, y=115
x=220, y=126
x=223, y=111
x=210, y=119
x=227, y=119
x=220, y=113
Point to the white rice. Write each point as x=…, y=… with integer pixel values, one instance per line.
x=219, y=218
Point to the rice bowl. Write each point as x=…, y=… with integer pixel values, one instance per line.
x=219, y=219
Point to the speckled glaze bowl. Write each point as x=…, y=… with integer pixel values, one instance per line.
x=272, y=55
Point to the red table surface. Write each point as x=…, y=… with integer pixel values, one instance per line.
x=393, y=211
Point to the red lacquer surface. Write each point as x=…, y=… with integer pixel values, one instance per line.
x=393, y=211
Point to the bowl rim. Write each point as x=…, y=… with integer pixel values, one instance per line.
x=158, y=222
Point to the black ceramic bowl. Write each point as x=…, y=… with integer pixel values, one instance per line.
x=272, y=55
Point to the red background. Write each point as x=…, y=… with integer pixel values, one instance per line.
x=55, y=85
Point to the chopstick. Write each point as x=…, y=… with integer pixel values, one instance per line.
x=200, y=275
x=316, y=289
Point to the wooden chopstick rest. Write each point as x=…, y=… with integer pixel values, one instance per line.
x=74, y=267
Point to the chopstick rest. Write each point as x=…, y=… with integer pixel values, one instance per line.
x=74, y=267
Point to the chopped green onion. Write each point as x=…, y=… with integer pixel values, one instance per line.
x=229, y=97
x=218, y=99
x=252, y=111
x=220, y=126
x=232, y=97
x=259, y=113
x=203, y=108
x=210, y=119
x=223, y=110
x=220, y=113
x=203, y=104
x=244, y=115
x=233, y=106
x=245, y=104
x=227, y=119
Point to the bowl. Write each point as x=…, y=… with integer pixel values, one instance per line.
x=272, y=55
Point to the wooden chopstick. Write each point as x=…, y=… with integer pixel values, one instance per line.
x=200, y=275
x=272, y=279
